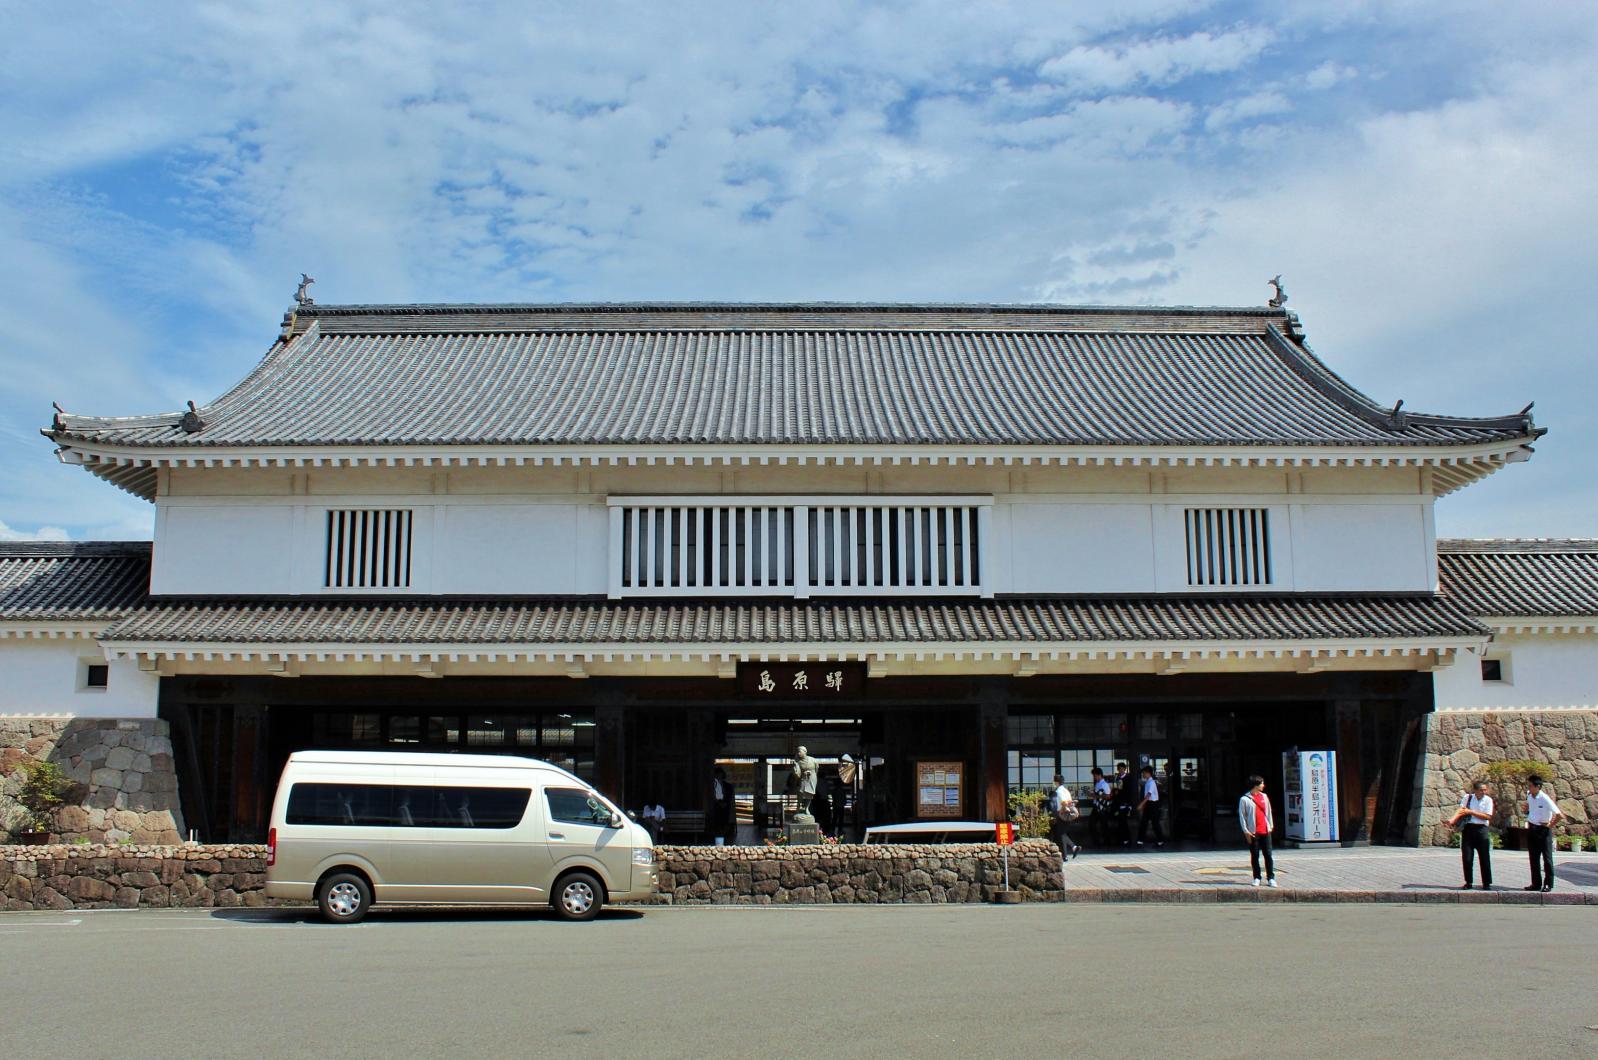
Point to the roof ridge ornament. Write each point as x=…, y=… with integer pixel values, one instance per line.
x=301, y=297
x=57, y=424
x=1278, y=292
x=192, y=422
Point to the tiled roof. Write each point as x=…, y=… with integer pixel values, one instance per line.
x=42, y=581
x=628, y=375
x=1521, y=578
x=1043, y=622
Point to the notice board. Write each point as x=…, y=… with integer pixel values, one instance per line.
x=940, y=789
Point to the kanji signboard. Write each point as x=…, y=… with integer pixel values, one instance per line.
x=1004, y=834
x=810, y=681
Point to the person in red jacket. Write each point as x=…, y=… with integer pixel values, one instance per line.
x=1254, y=816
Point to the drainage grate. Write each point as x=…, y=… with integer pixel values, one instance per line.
x=1126, y=868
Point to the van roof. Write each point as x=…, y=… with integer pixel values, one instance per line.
x=425, y=758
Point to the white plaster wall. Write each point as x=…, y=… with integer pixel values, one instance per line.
x=530, y=543
x=1542, y=670
x=1362, y=547
x=43, y=676
x=1074, y=547
x=531, y=549
x=243, y=548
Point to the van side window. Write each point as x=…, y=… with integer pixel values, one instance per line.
x=576, y=806
x=406, y=806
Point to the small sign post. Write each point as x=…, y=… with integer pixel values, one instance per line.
x=1004, y=835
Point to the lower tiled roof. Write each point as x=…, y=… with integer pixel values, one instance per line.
x=1035, y=621
x=72, y=581
x=1532, y=578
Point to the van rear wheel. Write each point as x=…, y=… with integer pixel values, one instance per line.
x=578, y=896
x=344, y=898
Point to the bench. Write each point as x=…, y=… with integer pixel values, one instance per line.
x=683, y=822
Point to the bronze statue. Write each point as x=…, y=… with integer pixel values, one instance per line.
x=804, y=770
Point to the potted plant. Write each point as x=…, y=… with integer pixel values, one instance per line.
x=42, y=786
x=1507, y=779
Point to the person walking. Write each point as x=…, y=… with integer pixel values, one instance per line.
x=1254, y=816
x=1103, y=808
x=1062, y=811
x=1125, y=800
x=1148, y=809
x=1474, y=815
x=1542, y=813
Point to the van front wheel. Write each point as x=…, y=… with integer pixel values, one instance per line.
x=344, y=898
x=578, y=896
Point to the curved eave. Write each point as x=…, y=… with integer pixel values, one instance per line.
x=1450, y=467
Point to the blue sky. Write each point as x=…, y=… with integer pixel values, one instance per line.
x=1422, y=174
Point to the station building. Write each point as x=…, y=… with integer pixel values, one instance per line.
x=951, y=550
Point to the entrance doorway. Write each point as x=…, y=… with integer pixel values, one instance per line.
x=757, y=756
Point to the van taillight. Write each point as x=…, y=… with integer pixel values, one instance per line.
x=271, y=847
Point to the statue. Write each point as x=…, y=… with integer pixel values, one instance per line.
x=301, y=297
x=804, y=770
x=1278, y=292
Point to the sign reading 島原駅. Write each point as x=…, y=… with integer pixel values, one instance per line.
x=819, y=682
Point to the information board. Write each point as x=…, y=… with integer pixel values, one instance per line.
x=940, y=789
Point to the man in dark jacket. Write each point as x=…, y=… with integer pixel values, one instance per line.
x=721, y=806
x=1126, y=800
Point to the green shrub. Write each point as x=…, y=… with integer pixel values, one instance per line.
x=1029, y=811
x=1454, y=839
x=42, y=786
x=1507, y=779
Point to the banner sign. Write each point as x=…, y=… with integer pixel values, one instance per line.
x=1309, y=789
x=811, y=681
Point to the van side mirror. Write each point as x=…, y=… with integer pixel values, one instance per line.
x=616, y=820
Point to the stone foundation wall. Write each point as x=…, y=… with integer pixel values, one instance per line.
x=855, y=874
x=124, y=785
x=1458, y=742
x=123, y=877
x=105, y=877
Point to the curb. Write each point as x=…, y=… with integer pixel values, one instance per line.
x=1177, y=896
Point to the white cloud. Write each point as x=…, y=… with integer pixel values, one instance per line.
x=42, y=533
x=1160, y=61
x=166, y=177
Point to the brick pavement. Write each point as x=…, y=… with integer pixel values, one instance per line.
x=1382, y=874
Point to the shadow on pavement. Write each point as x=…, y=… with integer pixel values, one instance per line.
x=416, y=915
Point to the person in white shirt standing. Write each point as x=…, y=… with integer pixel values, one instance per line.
x=1149, y=809
x=1475, y=814
x=1542, y=813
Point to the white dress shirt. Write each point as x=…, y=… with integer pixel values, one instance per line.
x=1540, y=809
x=1151, y=790
x=1471, y=802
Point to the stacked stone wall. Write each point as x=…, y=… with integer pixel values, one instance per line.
x=126, y=877
x=855, y=874
x=1459, y=743
x=124, y=786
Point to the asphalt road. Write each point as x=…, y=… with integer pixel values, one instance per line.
x=1101, y=981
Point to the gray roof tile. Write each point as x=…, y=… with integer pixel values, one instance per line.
x=1045, y=623
x=628, y=375
x=42, y=581
x=1507, y=577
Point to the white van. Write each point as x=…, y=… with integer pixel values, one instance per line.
x=352, y=828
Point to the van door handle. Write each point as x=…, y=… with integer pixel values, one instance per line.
x=557, y=835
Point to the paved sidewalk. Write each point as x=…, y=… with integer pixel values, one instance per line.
x=1353, y=874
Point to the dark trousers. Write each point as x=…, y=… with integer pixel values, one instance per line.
x=1473, y=844
x=1099, y=826
x=1540, y=845
x=1123, y=824
x=1061, y=837
x=1259, y=846
x=1150, y=815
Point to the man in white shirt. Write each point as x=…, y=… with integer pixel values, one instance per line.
x=1062, y=805
x=1149, y=809
x=1103, y=808
x=1475, y=813
x=1542, y=813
